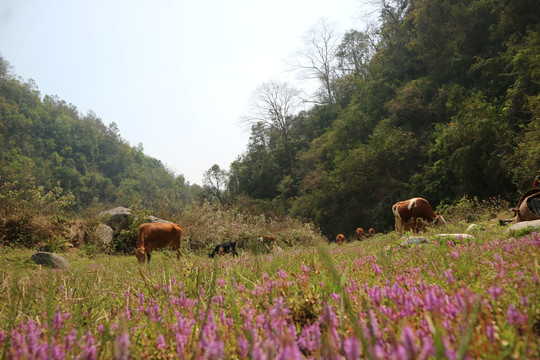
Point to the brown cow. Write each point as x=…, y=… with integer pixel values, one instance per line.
x=360, y=234
x=414, y=214
x=157, y=235
x=371, y=232
x=340, y=239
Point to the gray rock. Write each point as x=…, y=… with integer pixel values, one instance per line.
x=50, y=260
x=117, y=218
x=154, y=219
x=414, y=240
x=533, y=225
x=104, y=233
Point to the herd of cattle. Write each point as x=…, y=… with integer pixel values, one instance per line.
x=409, y=215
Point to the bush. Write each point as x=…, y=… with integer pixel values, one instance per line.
x=32, y=217
x=474, y=210
x=207, y=225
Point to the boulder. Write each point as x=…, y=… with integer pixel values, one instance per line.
x=414, y=240
x=50, y=260
x=117, y=218
x=154, y=219
x=533, y=225
x=104, y=234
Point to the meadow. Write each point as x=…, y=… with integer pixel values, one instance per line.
x=362, y=300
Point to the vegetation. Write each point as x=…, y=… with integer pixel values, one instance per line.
x=439, y=99
x=49, y=143
x=374, y=299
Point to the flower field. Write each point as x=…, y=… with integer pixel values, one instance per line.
x=369, y=300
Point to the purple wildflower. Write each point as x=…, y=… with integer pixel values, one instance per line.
x=160, y=342
x=515, y=317
x=408, y=338
x=310, y=338
x=495, y=292
x=351, y=348
x=122, y=347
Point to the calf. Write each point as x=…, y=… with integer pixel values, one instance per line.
x=414, y=214
x=371, y=232
x=340, y=239
x=157, y=235
x=360, y=234
x=226, y=247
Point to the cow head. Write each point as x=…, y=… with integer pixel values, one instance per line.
x=439, y=220
x=140, y=254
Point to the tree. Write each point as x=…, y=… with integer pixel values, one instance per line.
x=273, y=106
x=317, y=58
x=215, y=179
x=354, y=53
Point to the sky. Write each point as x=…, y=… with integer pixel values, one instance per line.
x=174, y=75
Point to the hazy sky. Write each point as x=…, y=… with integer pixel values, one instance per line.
x=174, y=75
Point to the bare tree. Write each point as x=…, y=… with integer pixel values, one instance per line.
x=274, y=105
x=316, y=59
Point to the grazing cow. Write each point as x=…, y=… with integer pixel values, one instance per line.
x=270, y=242
x=371, y=232
x=225, y=248
x=414, y=214
x=269, y=238
x=360, y=234
x=157, y=235
x=340, y=239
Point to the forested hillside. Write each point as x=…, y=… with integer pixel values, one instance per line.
x=440, y=100
x=47, y=142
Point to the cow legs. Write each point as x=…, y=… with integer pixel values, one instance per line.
x=148, y=255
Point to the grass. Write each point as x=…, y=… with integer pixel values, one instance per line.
x=372, y=299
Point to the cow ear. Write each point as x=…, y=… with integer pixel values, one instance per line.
x=132, y=253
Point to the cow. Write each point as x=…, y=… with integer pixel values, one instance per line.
x=269, y=239
x=157, y=235
x=270, y=242
x=360, y=234
x=224, y=248
x=340, y=239
x=371, y=232
x=414, y=214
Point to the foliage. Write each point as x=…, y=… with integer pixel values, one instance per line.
x=440, y=101
x=52, y=142
x=207, y=224
x=31, y=216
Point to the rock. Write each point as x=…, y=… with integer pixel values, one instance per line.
x=533, y=225
x=51, y=260
x=474, y=228
x=116, y=218
x=456, y=236
x=154, y=219
x=104, y=233
x=414, y=240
